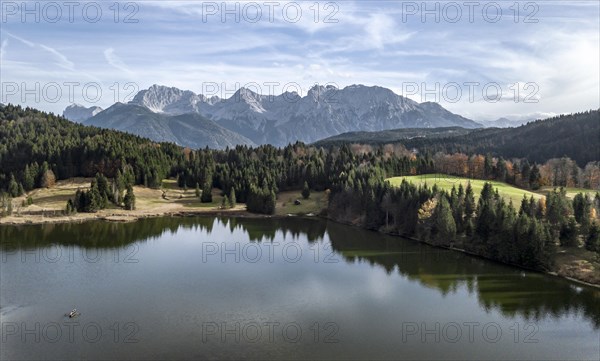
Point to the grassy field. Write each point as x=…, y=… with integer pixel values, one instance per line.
x=49, y=202
x=314, y=204
x=446, y=182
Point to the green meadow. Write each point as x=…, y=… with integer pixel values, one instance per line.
x=446, y=182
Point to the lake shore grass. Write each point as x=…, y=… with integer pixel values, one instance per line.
x=49, y=203
x=171, y=200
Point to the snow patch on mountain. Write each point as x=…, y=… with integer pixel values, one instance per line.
x=78, y=113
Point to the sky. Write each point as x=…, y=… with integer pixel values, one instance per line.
x=483, y=60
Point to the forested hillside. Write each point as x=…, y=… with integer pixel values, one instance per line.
x=36, y=148
x=576, y=136
x=391, y=136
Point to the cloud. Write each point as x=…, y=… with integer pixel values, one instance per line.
x=26, y=42
x=381, y=30
x=369, y=44
x=115, y=61
x=61, y=59
x=3, y=48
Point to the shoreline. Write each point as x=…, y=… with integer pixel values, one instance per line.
x=239, y=212
x=463, y=251
x=125, y=218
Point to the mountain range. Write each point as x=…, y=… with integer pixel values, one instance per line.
x=186, y=118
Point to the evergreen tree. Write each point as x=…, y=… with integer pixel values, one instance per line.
x=469, y=202
x=501, y=170
x=232, y=200
x=557, y=207
x=70, y=208
x=104, y=189
x=535, y=178
x=120, y=184
x=129, y=199
x=224, y=202
x=13, y=187
x=444, y=227
x=487, y=167
x=485, y=221
x=525, y=207
x=568, y=234
x=206, y=192
x=96, y=200
x=581, y=210
x=592, y=240
x=305, y=191
x=28, y=178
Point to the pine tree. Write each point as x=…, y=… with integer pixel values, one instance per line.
x=70, y=208
x=535, y=178
x=104, y=188
x=582, y=209
x=129, y=199
x=568, y=234
x=501, y=170
x=120, y=182
x=305, y=191
x=469, y=202
x=96, y=200
x=525, y=206
x=487, y=166
x=558, y=208
x=224, y=202
x=13, y=187
x=487, y=193
x=592, y=240
x=271, y=201
x=579, y=207
x=444, y=227
x=232, y=200
x=485, y=221
x=206, y=192
x=28, y=178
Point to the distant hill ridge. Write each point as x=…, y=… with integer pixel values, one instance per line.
x=576, y=136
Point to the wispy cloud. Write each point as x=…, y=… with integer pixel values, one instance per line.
x=3, y=48
x=60, y=59
x=115, y=61
x=26, y=42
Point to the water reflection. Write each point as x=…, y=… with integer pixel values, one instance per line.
x=511, y=291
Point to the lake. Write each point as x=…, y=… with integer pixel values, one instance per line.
x=293, y=288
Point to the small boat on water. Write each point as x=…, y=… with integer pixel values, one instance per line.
x=73, y=313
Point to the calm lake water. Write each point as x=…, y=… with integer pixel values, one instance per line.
x=220, y=288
